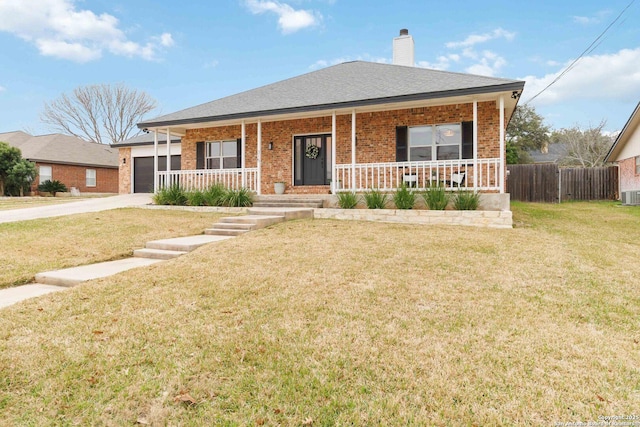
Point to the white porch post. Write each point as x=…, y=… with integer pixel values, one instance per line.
x=155, y=162
x=502, y=152
x=259, y=151
x=169, y=158
x=242, y=154
x=353, y=150
x=475, y=145
x=334, y=171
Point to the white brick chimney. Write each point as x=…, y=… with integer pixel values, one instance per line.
x=403, y=48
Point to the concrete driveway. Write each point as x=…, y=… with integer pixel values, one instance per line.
x=82, y=206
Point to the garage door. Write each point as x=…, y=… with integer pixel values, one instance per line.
x=143, y=171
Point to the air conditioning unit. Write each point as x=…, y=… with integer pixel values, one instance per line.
x=631, y=197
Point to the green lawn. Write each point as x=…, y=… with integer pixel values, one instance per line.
x=346, y=323
x=7, y=203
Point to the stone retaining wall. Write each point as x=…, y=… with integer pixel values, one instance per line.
x=492, y=219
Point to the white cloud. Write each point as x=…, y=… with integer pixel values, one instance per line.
x=597, y=77
x=585, y=20
x=59, y=30
x=211, y=64
x=475, y=39
x=2, y=88
x=443, y=62
x=489, y=65
x=290, y=20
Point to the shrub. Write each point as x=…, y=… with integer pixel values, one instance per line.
x=215, y=195
x=404, y=198
x=348, y=200
x=52, y=187
x=238, y=198
x=196, y=198
x=375, y=199
x=466, y=200
x=436, y=197
x=173, y=195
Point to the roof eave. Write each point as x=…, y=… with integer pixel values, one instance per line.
x=617, y=144
x=512, y=86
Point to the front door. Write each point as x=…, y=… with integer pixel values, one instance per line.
x=312, y=159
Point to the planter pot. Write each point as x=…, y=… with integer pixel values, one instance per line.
x=279, y=187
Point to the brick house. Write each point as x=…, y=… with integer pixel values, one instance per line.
x=349, y=127
x=88, y=166
x=625, y=151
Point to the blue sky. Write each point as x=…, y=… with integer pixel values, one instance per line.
x=188, y=53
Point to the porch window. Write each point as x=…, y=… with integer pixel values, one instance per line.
x=222, y=155
x=637, y=165
x=437, y=142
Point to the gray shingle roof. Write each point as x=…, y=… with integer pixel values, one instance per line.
x=64, y=149
x=145, y=139
x=350, y=84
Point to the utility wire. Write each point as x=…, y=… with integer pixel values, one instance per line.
x=588, y=50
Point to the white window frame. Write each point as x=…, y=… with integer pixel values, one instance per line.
x=434, y=142
x=45, y=176
x=208, y=157
x=637, y=165
x=89, y=179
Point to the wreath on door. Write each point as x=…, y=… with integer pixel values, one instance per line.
x=312, y=151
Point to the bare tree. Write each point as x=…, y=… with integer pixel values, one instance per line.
x=586, y=148
x=101, y=113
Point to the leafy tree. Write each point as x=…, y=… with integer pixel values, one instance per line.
x=100, y=113
x=9, y=156
x=586, y=148
x=21, y=176
x=52, y=187
x=526, y=131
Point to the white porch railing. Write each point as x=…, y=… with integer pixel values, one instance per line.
x=454, y=174
x=203, y=178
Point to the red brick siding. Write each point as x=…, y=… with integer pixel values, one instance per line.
x=629, y=179
x=375, y=134
x=75, y=176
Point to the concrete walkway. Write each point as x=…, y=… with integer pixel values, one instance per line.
x=155, y=251
x=69, y=208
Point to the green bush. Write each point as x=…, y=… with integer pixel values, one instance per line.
x=52, y=187
x=238, y=198
x=436, y=197
x=172, y=196
x=375, y=199
x=196, y=198
x=347, y=200
x=404, y=198
x=215, y=195
x=466, y=200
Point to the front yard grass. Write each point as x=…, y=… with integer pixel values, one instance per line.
x=31, y=247
x=346, y=323
x=7, y=203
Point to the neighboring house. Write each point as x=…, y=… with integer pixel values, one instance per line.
x=137, y=161
x=551, y=153
x=88, y=166
x=352, y=126
x=625, y=151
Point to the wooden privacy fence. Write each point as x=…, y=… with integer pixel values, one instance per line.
x=549, y=183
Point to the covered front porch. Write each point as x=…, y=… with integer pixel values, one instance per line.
x=352, y=150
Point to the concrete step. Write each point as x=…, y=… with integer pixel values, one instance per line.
x=286, y=213
x=75, y=275
x=224, y=231
x=258, y=221
x=186, y=244
x=296, y=204
x=289, y=198
x=157, y=253
x=234, y=226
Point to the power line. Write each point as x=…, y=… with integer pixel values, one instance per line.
x=588, y=50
